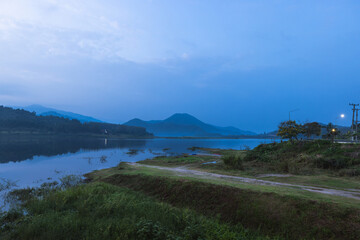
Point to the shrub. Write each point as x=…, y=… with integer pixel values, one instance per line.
x=301, y=156
x=70, y=181
x=147, y=229
x=353, y=172
x=233, y=160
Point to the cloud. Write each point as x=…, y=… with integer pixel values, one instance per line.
x=73, y=28
x=259, y=33
x=184, y=56
x=146, y=58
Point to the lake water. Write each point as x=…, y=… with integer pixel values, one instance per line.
x=31, y=162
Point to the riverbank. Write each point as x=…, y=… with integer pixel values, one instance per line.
x=292, y=211
x=233, y=203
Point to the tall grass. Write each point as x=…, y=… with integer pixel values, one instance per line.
x=288, y=216
x=304, y=157
x=233, y=160
x=102, y=211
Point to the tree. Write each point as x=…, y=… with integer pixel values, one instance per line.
x=21, y=120
x=290, y=130
x=313, y=128
x=331, y=132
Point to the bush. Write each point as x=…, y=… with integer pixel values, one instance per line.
x=302, y=156
x=233, y=160
x=353, y=172
x=146, y=229
x=261, y=153
x=70, y=181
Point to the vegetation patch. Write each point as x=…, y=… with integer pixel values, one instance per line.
x=341, y=183
x=178, y=160
x=234, y=160
x=301, y=157
x=290, y=217
x=216, y=151
x=132, y=152
x=103, y=211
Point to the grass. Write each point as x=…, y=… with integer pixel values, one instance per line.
x=104, y=211
x=318, y=157
x=218, y=151
x=307, y=157
x=234, y=160
x=289, y=216
x=320, y=178
x=320, y=181
x=179, y=160
x=126, y=169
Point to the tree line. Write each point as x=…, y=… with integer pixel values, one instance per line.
x=25, y=121
x=292, y=130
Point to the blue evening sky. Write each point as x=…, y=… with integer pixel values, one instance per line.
x=245, y=63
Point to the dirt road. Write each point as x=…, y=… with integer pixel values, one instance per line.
x=184, y=171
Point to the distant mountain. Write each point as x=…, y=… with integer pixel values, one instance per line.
x=44, y=111
x=185, y=125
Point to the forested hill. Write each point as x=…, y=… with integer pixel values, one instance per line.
x=185, y=125
x=18, y=120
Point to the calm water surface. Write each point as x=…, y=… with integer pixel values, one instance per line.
x=31, y=162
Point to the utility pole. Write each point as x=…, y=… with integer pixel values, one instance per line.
x=356, y=124
x=353, y=118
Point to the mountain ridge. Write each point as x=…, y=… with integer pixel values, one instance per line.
x=185, y=125
x=45, y=111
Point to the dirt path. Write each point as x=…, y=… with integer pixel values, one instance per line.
x=184, y=171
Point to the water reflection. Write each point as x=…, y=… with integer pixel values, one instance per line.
x=16, y=149
x=33, y=161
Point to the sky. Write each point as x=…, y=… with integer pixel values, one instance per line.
x=242, y=63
